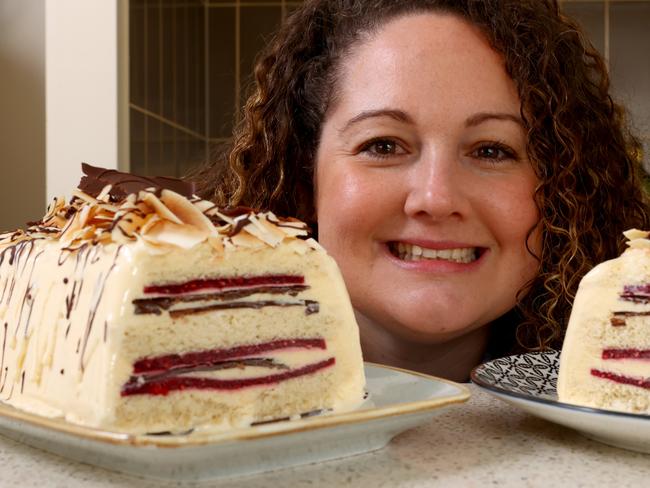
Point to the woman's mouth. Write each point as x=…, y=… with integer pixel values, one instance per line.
x=412, y=252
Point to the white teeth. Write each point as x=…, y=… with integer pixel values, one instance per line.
x=410, y=252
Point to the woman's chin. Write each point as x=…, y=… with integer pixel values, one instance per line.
x=444, y=330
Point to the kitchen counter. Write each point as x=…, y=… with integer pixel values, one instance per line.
x=480, y=443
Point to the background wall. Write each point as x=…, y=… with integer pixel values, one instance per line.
x=191, y=63
x=22, y=112
x=83, y=87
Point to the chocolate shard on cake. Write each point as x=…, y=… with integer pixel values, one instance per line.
x=605, y=359
x=138, y=307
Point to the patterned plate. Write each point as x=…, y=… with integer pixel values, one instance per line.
x=528, y=381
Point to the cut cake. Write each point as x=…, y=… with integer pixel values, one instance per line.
x=139, y=309
x=605, y=358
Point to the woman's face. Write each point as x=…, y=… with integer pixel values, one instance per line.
x=424, y=189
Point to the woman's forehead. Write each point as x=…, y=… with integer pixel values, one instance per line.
x=425, y=62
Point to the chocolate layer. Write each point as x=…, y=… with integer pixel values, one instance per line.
x=158, y=304
x=311, y=306
x=239, y=363
x=225, y=282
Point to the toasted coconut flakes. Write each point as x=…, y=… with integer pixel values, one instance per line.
x=161, y=223
x=104, y=194
x=117, y=235
x=107, y=208
x=85, y=214
x=203, y=205
x=187, y=212
x=184, y=236
x=71, y=228
x=246, y=240
x=228, y=244
x=149, y=221
x=84, y=196
x=54, y=207
x=276, y=231
x=313, y=244
x=216, y=243
x=639, y=244
x=159, y=207
x=636, y=234
x=223, y=217
x=258, y=229
x=59, y=222
x=298, y=247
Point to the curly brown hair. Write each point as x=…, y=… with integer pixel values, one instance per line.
x=578, y=143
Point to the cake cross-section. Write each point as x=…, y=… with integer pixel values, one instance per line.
x=138, y=308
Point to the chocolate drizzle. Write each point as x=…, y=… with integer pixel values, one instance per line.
x=100, y=287
x=4, y=382
x=239, y=225
x=123, y=184
x=4, y=345
x=29, y=296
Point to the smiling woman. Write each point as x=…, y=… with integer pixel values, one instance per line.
x=439, y=137
x=461, y=160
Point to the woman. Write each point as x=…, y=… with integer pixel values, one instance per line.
x=461, y=160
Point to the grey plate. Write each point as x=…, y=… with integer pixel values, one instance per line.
x=528, y=381
x=398, y=400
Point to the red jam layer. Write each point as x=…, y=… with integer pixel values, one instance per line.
x=166, y=385
x=626, y=354
x=168, y=362
x=626, y=380
x=221, y=283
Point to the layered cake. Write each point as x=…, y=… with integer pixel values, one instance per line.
x=605, y=359
x=137, y=307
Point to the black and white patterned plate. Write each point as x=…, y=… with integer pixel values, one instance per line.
x=532, y=374
x=528, y=381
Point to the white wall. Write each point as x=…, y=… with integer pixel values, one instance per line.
x=22, y=112
x=85, y=89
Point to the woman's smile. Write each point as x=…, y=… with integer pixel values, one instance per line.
x=424, y=251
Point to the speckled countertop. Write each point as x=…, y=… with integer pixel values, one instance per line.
x=484, y=442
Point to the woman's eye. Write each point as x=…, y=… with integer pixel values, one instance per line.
x=382, y=148
x=494, y=152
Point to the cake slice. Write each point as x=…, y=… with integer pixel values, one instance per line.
x=140, y=309
x=605, y=358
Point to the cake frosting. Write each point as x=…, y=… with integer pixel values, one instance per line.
x=605, y=358
x=139, y=308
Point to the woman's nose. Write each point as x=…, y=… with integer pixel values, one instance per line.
x=436, y=188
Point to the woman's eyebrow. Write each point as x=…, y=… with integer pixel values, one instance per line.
x=398, y=115
x=481, y=117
